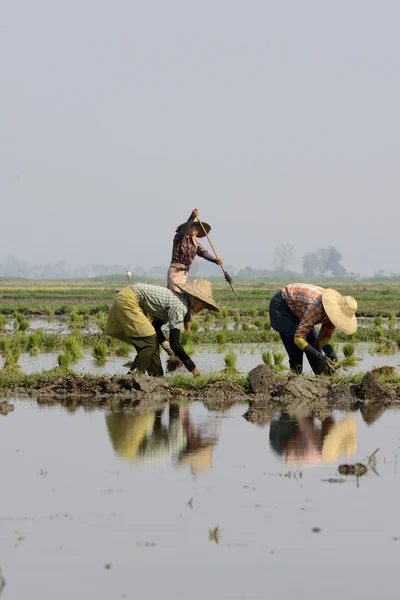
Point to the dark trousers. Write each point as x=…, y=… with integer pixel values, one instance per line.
x=285, y=322
x=148, y=356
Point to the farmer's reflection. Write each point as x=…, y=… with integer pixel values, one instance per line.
x=301, y=440
x=147, y=439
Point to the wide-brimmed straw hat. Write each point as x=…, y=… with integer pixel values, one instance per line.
x=200, y=233
x=199, y=460
x=341, y=440
x=340, y=310
x=201, y=289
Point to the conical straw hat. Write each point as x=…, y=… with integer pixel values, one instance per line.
x=341, y=440
x=340, y=310
x=201, y=289
x=200, y=233
x=199, y=460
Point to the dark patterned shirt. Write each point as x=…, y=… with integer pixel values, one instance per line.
x=185, y=247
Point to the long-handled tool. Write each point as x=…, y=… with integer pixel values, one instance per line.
x=226, y=274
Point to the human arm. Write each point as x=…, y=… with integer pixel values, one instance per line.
x=207, y=256
x=189, y=222
x=324, y=339
x=177, y=349
x=162, y=340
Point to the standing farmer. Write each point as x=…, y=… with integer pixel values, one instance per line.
x=296, y=310
x=140, y=310
x=184, y=250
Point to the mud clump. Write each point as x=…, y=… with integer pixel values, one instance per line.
x=6, y=407
x=221, y=395
x=372, y=391
x=262, y=380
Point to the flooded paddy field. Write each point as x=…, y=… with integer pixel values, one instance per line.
x=185, y=502
x=232, y=496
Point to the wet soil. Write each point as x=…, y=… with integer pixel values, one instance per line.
x=267, y=391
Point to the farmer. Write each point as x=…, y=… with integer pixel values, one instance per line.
x=184, y=250
x=140, y=310
x=295, y=311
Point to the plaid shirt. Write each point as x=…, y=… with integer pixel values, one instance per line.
x=305, y=301
x=185, y=248
x=158, y=302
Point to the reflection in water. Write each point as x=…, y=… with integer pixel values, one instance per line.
x=302, y=440
x=148, y=439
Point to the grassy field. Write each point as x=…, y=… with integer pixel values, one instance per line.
x=43, y=298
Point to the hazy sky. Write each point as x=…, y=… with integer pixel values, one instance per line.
x=278, y=120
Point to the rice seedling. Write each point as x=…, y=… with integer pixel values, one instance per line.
x=5, y=344
x=230, y=360
x=73, y=347
x=267, y=324
x=189, y=349
x=23, y=325
x=102, y=323
x=392, y=319
x=2, y=322
x=348, y=349
x=278, y=360
x=99, y=352
x=64, y=360
x=224, y=313
x=195, y=326
x=385, y=346
x=254, y=313
x=267, y=358
x=258, y=323
x=245, y=326
x=34, y=343
x=185, y=337
x=221, y=339
x=50, y=314
x=123, y=350
x=236, y=316
x=207, y=317
x=173, y=363
x=378, y=320
x=76, y=320
x=379, y=332
x=11, y=360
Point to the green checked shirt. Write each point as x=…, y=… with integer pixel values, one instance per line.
x=158, y=302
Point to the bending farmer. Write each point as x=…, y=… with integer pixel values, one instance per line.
x=184, y=250
x=140, y=310
x=296, y=310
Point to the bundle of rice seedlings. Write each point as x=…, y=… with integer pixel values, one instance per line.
x=386, y=346
x=185, y=337
x=99, y=352
x=50, y=314
x=207, y=317
x=267, y=324
x=195, y=326
x=64, y=360
x=34, y=343
x=12, y=358
x=230, y=360
x=221, y=339
x=392, y=319
x=2, y=322
x=254, y=313
x=5, y=344
x=173, y=363
x=278, y=360
x=267, y=358
x=189, y=349
x=245, y=326
x=379, y=332
x=348, y=349
x=73, y=347
x=123, y=350
x=23, y=325
x=236, y=316
x=224, y=313
x=258, y=322
x=378, y=320
x=76, y=320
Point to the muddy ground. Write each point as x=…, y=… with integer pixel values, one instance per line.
x=268, y=392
